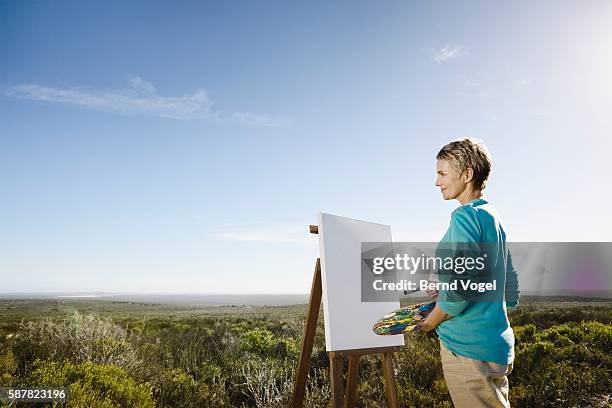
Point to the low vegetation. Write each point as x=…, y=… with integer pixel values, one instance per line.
x=248, y=359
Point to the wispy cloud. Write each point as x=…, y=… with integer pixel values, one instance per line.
x=486, y=93
x=524, y=82
x=449, y=52
x=140, y=98
x=276, y=233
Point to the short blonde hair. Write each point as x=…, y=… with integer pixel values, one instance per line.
x=469, y=152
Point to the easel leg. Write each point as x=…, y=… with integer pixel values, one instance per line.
x=391, y=385
x=336, y=368
x=351, y=381
x=309, y=334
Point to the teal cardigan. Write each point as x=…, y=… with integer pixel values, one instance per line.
x=480, y=329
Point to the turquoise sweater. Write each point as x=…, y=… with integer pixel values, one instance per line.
x=480, y=329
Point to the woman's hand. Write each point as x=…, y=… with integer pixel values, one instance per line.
x=432, y=321
x=425, y=325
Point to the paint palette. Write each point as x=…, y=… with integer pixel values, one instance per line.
x=402, y=320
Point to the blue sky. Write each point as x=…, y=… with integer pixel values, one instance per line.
x=185, y=147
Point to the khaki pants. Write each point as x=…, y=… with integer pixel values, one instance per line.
x=474, y=383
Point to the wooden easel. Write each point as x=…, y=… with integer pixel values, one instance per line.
x=336, y=358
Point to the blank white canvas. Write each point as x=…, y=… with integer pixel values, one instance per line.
x=348, y=320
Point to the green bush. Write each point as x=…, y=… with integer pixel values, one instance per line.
x=8, y=366
x=77, y=338
x=178, y=388
x=419, y=373
x=524, y=333
x=563, y=365
x=264, y=343
x=93, y=385
x=206, y=388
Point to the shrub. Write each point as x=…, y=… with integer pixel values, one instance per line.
x=264, y=343
x=419, y=373
x=8, y=366
x=524, y=334
x=77, y=339
x=269, y=382
x=563, y=365
x=93, y=385
x=179, y=388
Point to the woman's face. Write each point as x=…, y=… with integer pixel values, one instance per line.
x=450, y=181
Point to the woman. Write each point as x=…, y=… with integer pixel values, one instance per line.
x=476, y=340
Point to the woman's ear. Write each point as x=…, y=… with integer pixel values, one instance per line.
x=468, y=174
